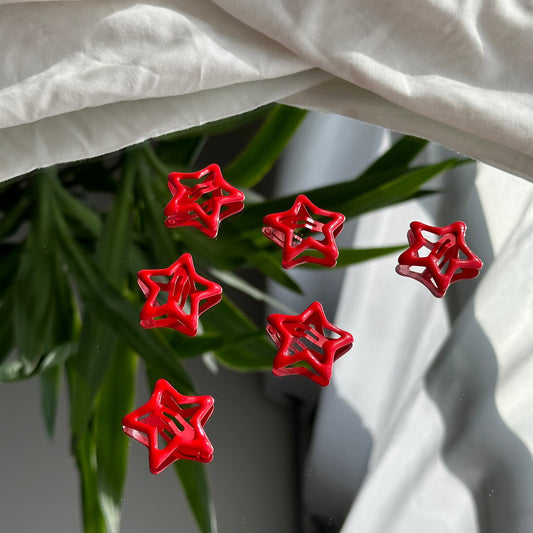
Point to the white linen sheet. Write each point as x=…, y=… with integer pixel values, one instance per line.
x=426, y=425
x=82, y=78
x=448, y=406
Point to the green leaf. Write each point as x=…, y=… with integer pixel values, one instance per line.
x=392, y=163
x=250, y=349
x=64, y=311
x=115, y=400
x=114, y=243
x=226, y=316
x=193, y=478
x=85, y=454
x=224, y=253
x=352, y=256
x=14, y=217
x=93, y=175
x=253, y=163
x=270, y=265
x=50, y=387
x=7, y=339
x=76, y=210
x=16, y=371
x=181, y=154
x=11, y=193
x=43, y=303
x=158, y=166
x=97, y=340
x=13, y=371
x=187, y=347
x=348, y=198
x=393, y=191
x=10, y=254
x=231, y=279
x=112, y=308
x=254, y=354
x=34, y=284
x=159, y=237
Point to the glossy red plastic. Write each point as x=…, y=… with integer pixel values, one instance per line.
x=438, y=264
x=308, y=344
x=185, y=299
x=201, y=200
x=298, y=232
x=170, y=425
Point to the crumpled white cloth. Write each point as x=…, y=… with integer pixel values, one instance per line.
x=426, y=425
x=447, y=406
x=82, y=78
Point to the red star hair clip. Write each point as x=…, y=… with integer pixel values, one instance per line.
x=174, y=298
x=308, y=344
x=306, y=233
x=438, y=263
x=201, y=199
x=170, y=425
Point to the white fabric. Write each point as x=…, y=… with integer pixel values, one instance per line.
x=82, y=78
x=399, y=328
x=426, y=425
x=457, y=455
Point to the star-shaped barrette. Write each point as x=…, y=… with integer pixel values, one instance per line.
x=439, y=262
x=308, y=344
x=170, y=425
x=174, y=297
x=306, y=233
x=201, y=199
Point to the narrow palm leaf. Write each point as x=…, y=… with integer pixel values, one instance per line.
x=85, y=454
x=352, y=256
x=97, y=340
x=193, y=478
x=50, y=381
x=115, y=400
x=253, y=163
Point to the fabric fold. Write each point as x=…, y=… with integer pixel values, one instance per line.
x=100, y=130
x=456, y=72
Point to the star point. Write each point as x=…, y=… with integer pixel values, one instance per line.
x=438, y=264
x=201, y=199
x=308, y=344
x=297, y=231
x=170, y=425
x=185, y=301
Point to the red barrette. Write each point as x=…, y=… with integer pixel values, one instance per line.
x=185, y=301
x=201, y=199
x=308, y=344
x=449, y=258
x=297, y=229
x=175, y=419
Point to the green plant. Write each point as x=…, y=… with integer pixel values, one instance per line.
x=58, y=322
